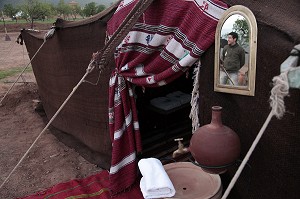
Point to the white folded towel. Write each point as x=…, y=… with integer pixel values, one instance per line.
x=155, y=182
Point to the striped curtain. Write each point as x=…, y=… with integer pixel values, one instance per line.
x=167, y=39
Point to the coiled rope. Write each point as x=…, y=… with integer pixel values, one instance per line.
x=279, y=91
x=99, y=60
x=47, y=36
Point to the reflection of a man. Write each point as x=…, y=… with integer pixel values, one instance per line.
x=232, y=59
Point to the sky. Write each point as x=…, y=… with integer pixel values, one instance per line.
x=227, y=26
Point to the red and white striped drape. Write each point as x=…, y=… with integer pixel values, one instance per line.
x=167, y=39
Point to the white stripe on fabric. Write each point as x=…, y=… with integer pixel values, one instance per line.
x=112, y=80
x=139, y=70
x=162, y=83
x=131, y=42
x=187, y=61
x=159, y=40
x=210, y=9
x=176, y=49
x=119, y=132
x=137, y=37
x=117, y=102
x=127, y=160
x=136, y=126
x=111, y=114
x=117, y=95
x=128, y=118
x=124, y=68
x=130, y=92
x=168, y=30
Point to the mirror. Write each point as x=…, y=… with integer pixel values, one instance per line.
x=235, y=52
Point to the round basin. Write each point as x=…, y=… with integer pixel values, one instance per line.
x=191, y=182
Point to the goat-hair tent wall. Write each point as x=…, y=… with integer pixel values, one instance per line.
x=275, y=162
x=59, y=66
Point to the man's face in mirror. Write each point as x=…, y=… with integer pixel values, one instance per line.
x=231, y=41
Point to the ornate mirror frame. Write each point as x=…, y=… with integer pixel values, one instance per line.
x=249, y=89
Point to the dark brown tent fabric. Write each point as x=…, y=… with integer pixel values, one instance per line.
x=60, y=65
x=282, y=15
x=275, y=162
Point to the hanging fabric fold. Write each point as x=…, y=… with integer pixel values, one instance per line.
x=167, y=39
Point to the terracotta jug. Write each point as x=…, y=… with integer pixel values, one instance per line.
x=215, y=146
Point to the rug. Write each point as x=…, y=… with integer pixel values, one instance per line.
x=95, y=186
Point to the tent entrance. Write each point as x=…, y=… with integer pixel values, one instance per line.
x=163, y=114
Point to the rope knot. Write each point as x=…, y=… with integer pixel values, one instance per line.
x=279, y=91
x=99, y=60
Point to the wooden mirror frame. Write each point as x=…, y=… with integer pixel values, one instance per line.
x=240, y=90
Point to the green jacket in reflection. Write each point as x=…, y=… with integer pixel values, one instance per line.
x=233, y=57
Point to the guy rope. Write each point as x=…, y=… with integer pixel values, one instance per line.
x=47, y=36
x=99, y=59
x=279, y=91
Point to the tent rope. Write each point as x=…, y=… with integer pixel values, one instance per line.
x=11, y=46
x=100, y=57
x=194, y=113
x=88, y=70
x=279, y=91
x=98, y=60
x=47, y=36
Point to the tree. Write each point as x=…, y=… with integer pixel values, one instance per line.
x=76, y=10
x=90, y=9
x=10, y=11
x=25, y=16
x=63, y=9
x=100, y=8
x=241, y=27
x=36, y=10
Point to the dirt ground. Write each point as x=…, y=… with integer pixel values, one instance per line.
x=55, y=158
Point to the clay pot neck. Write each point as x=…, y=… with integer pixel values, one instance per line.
x=216, y=118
